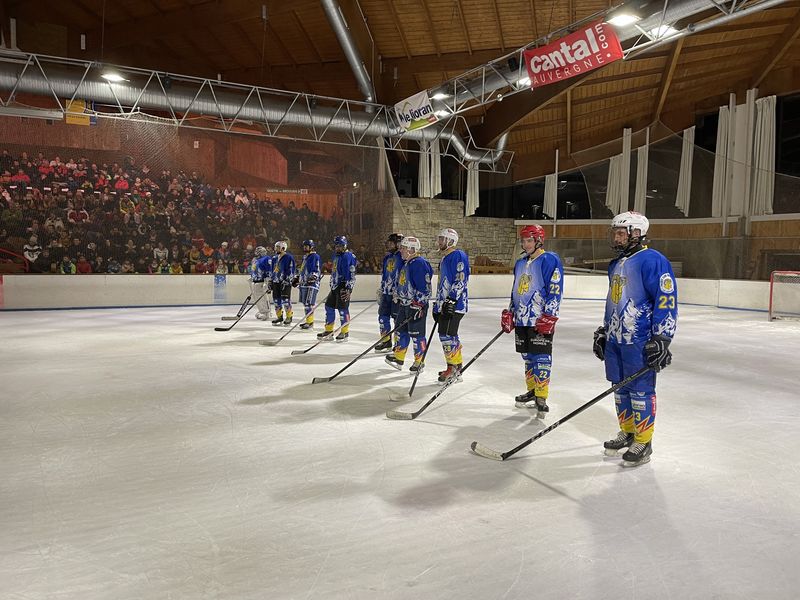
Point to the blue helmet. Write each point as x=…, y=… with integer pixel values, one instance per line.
x=310, y=243
x=340, y=240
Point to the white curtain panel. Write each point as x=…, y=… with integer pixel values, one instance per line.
x=424, y=175
x=720, y=163
x=550, y=195
x=473, y=189
x=613, y=185
x=625, y=170
x=640, y=195
x=763, y=178
x=684, y=195
x=436, y=169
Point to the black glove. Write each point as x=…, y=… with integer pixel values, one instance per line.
x=657, y=352
x=311, y=280
x=269, y=285
x=344, y=294
x=599, y=344
x=295, y=281
x=448, y=307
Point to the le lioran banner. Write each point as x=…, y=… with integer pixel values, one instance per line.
x=415, y=112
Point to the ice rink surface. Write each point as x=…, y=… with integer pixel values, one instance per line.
x=147, y=456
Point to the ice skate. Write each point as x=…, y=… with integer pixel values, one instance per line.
x=305, y=326
x=384, y=346
x=623, y=440
x=261, y=316
x=417, y=367
x=342, y=337
x=277, y=321
x=287, y=322
x=638, y=454
x=541, y=408
x=522, y=401
x=451, y=372
x=325, y=336
x=394, y=362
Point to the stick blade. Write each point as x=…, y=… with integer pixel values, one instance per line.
x=269, y=343
x=222, y=328
x=296, y=352
x=229, y=318
x=400, y=415
x=485, y=452
x=321, y=379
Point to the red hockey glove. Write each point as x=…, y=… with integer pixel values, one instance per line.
x=507, y=321
x=546, y=324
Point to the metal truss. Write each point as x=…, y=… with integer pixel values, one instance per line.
x=195, y=103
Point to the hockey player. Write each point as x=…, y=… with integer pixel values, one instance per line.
x=260, y=284
x=343, y=278
x=532, y=314
x=413, y=293
x=283, y=270
x=387, y=307
x=308, y=279
x=640, y=321
x=451, y=301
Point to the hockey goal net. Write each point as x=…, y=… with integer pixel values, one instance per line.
x=784, y=295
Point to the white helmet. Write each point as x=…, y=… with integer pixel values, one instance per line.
x=281, y=246
x=411, y=243
x=449, y=234
x=631, y=220
x=260, y=251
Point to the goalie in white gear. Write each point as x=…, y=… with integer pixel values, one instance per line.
x=260, y=285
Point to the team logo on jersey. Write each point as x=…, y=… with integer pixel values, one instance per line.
x=556, y=276
x=666, y=284
x=390, y=265
x=460, y=266
x=617, y=284
x=402, y=279
x=524, y=285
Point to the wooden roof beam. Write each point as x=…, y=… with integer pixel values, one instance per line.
x=666, y=78
x=499, y=25
x=429, y=21
x=464, y=25
x=777, y=51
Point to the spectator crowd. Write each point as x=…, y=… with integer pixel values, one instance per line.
x=80, y=216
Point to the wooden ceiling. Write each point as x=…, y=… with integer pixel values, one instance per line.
x=409, y=45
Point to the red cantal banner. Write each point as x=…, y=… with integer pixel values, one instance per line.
x=585, y=50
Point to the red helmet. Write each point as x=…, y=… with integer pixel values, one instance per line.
x=532, y=231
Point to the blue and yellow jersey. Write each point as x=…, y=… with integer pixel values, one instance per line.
x=392, y=263
x=344, y=270
x=260, y=269
x=310, y=266
x=538, y=285
x=414, y=282
x=642, y=298
x=283, y=268
x=453, y=280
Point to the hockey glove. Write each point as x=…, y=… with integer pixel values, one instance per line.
x=599, y=344
x=448, y=308
x=546, y=324
x=311, y=280
x=657, y=352
x=507, y=321
x=295, y=281
x=419, y=307
x=344, y=294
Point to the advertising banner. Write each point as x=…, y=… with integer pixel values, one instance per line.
x=415, y=112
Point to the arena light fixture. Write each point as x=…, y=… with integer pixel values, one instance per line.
x=440, y=96
x=662, y=31
x=624, y=19
x=31, y=113
x=442, y=113
x=112, y=76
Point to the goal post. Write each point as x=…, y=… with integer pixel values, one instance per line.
x=784, y=295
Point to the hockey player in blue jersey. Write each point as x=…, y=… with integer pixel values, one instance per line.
x=451, y=301
x=640, y=320
x=532, y=314
x=343, y=279
x=260, y=268
x=387, y=307
x=308, y=278
x=413, y=293
x=283, y=269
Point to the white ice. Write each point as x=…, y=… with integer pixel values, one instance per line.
x=147, y=456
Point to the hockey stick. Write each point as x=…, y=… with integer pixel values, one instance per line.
x=331, y=334
x=300, y=322
x=399, y=414
x=249, y=308
x=352, y=362
x=240, y=311
x=482, y=450
x=422, y=362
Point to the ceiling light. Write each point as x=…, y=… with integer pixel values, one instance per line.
x=112, y=76
x=440, y=96
x=623, y=19
x=524, y=82
x=442, y=113
x=661, y=32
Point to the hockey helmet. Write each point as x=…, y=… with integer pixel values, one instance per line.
x=281, y=246
x=532, y=231
x=395, y=238
x=340, y=240
x=450, y=235
x=411, y=243
x=260, y=251
x=631, y=220
x=310, y=243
